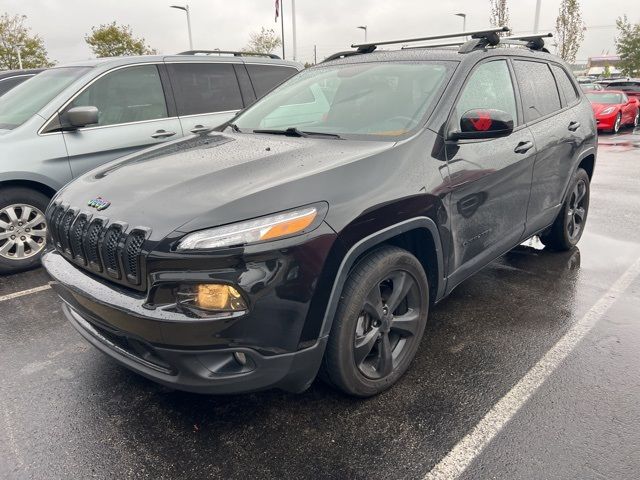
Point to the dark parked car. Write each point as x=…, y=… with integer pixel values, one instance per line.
x=13, y=78
x=316, y=230
x=630, y=87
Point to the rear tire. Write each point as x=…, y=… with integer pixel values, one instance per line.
x=22, y=228
x=379, y=323
x=569, y=225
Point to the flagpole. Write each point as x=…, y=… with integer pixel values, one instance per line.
x=282, y=24
x=293, y=24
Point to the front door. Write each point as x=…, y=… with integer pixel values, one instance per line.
x=132, y=115
x=490, y=180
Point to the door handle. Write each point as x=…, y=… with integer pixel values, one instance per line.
x=573, y=126
x=201, y=129
x=163, y=134
x=523, y=147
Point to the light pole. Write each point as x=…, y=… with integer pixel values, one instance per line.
x=464, y=20
x=364, y=27
x=536, y=19
x=186, y=9
x=18, y=47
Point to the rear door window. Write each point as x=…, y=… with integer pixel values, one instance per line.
x=205, y=87
x=565, y=85
x=131, y=94
x=538, y=89
x=266, y=77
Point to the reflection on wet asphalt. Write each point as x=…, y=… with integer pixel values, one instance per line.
x=66, y=411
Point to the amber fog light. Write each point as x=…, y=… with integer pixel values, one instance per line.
x=215, y=297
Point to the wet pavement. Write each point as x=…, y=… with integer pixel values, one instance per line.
x=67, y=411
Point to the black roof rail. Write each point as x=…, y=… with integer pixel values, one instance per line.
x=229, y=52
x=370, y=46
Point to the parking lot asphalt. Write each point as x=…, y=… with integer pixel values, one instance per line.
x=569, y=321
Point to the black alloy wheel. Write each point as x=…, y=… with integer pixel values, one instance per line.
x=378, y=324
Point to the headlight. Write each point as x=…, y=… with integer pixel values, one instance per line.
x=260, y=229
x=608, y=110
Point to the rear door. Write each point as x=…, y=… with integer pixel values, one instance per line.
x=490, y=179
x=206, y=94
x=551, y=107
x=133, y=114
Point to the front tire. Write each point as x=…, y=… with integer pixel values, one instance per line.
x=568, y=227
x=379, y=323
x=617, y=124
x=22, y=228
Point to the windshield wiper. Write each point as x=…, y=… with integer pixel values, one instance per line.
x=294, y=132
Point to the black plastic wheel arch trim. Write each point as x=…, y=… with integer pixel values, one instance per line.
x=371, y=241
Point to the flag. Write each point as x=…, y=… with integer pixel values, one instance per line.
x=277, y=9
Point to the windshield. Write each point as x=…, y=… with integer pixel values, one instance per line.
x=382, y=99
x=605, y=98
x=28, y=98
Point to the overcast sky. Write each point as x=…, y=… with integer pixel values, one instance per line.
x=329, y=24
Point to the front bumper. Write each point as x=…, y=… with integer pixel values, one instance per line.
x=190, y=354
x=606, y=122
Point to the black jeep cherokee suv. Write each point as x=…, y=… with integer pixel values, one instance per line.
x=314, y=232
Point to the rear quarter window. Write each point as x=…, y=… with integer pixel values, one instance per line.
x=565, y=85
x=265, y=77
x=538, y=89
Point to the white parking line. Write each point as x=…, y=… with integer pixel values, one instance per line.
x=472, y=445
x=22, y=293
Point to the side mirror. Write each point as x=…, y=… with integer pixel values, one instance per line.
x=480, y=124
x=79, y=117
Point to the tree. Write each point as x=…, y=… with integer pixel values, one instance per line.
x=628, y=46
x=264, y=42
x=113, y=40
x=569, y=30
x=15, y=35
x=499, y=16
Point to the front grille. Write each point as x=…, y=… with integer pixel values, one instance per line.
x=107, y=248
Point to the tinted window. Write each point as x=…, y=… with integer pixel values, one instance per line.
x=537, y=88
x=131, y=94
x=265, y=77
x=565, y=84
x=205, y=87
x=489, y=87
x=8, y=83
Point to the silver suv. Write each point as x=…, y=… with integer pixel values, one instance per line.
x=70, y=119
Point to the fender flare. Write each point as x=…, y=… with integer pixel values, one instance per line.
x=370, y=241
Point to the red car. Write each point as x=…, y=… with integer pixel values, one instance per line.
x=613, y=109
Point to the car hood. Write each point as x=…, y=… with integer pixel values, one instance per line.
x=599, y=107
x=206, y=181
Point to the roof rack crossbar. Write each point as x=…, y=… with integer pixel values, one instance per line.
x=230, y=52
x=534, y=42
x=472, y=34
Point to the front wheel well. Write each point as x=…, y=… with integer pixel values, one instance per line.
x=420, y=243
x=37, y=186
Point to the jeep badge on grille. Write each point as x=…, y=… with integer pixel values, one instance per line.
x=99, y=203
